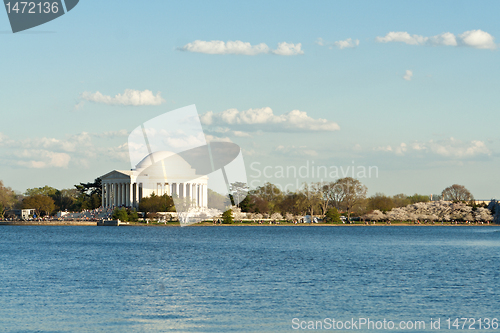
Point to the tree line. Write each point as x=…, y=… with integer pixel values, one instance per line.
x=48, y=200
x=346, y=195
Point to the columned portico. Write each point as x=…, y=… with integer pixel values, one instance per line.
x=118, y=189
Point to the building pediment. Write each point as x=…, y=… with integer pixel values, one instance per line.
x=117, y=175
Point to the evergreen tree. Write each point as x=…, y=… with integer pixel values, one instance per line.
x=227, y=217
x=332, y=216
x=120, y=214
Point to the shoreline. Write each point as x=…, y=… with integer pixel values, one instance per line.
x=72, y=223
x=210, y=224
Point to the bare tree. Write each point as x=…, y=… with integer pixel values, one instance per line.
x=310, y=198
x=323, y=189
x=456, y=193
x=348, y=192
x=335, y=194
x=7, y=196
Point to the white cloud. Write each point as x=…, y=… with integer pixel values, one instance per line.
x=408, y=75
x=4, y=139
x=478, y=39
x=341, y=44
x=37, y=159
x=348, y=43
x=241, y=48
x=220, y=47
x=113, y=134
x=185, y=141
x=212, y=138
x=418, y=146
x=225, y=130
x=241, y=134
x=250, y=152
x=73, y=151
x=383, y=148
x=320, y=41
x=457, y=148
x=474, y=38
x=401, y=149
x=265, y=120
x=79, y=105
x=295, y=151
x=70, y=144
x=402, y=37
x=288, y=49
x=445, y=39
x=129, y=97
x=451, y=148
x=119, y=153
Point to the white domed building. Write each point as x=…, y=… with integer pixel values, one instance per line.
x=161, y=172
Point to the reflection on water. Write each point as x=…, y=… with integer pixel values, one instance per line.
x=233, y=279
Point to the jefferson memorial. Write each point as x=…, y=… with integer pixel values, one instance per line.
x=161, y=173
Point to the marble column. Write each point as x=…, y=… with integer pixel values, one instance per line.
x=120, y=194
x=103, y=190
x=124, y=194
x=128, y=195
x=108, y=195
x=134, y=194
x=198, y=195
x=193, y=194
x=203, y=195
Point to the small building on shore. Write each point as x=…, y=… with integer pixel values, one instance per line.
x=21, y=214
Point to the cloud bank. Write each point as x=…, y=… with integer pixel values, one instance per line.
x=241, y=48
x=264, y=119
x=473, y=38
x=451, y=147
x=129, y=97
x=74, y=151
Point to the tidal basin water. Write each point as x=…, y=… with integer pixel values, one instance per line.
x=243, y=279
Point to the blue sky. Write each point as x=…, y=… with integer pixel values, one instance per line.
x=420, y=107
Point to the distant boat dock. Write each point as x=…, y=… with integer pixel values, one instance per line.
x=111, y=223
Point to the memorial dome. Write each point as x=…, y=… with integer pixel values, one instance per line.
x=153, y=158
x=161, y=164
